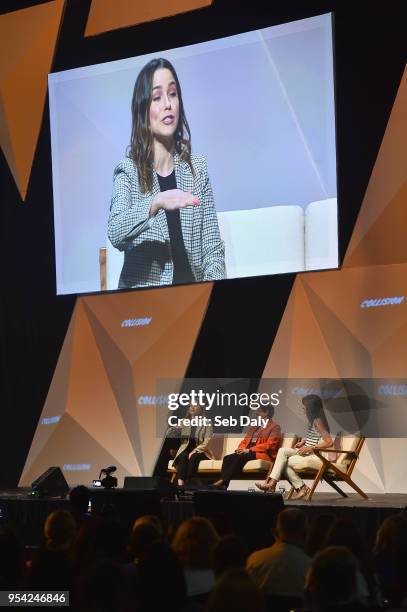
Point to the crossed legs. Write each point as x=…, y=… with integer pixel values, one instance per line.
x=284, y=467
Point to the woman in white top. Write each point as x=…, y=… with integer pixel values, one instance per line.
x=317, y=437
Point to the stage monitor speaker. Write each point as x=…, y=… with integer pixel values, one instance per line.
x=150, y=483
x=251, y=516
x=127, y=504
x=51, y=483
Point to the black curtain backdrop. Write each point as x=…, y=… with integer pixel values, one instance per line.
x=243, y=315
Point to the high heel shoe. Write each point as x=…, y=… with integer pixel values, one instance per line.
x=261, y=485
x=265, y=487
x=301, y=493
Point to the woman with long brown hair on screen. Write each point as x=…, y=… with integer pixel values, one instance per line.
x=162, y=213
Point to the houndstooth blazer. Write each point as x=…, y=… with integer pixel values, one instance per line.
x=145, y=240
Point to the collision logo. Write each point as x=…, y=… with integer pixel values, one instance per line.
x=137, y=322
x=392, y=389
x=387, y=301
x=50, y=420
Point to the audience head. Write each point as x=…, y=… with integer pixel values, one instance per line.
x=391, y=560
x=291, y=526
x=150, y=519
x=103, y=588
x=11, y=560
x=235, y=591
x=317, y=531
x=194, y=542
x=160, y=580
x=143, y=535
x=59, y=530
x=79, y=498
x=229, y=552
x=332, y=578
x=344, y=532
x=391, y=538
x=97, y=539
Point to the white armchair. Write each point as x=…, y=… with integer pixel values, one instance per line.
x=261, y=241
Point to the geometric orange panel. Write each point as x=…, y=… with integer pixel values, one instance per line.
x=160, y=305
x=89, y=385
x=340, y=325
x=103, y=406
x=349, y=323
x=371, y=303
x=80, y=462
x=299, y=348
x=105, y=15
x=379, y=234
x=31, y=35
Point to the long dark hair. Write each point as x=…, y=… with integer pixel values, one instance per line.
x=141, y=143
x=314, y=410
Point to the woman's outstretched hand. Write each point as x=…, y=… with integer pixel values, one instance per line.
x=171, y=200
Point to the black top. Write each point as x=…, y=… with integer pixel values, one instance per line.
x=182, y=269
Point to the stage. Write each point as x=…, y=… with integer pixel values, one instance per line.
x=250, y=514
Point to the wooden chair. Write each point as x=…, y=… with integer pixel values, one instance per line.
x=110, y=267
x=102, y=268
x=337, y=466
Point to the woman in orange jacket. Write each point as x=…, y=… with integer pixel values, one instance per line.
x=260, y=442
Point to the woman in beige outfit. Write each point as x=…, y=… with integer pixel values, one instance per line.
x=194, y=446
x=289, y=459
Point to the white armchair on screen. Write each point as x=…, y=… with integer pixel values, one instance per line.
x=263, y=241
x=321, y=235
x=270, y=240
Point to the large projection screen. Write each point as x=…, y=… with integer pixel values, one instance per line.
x=260, y=106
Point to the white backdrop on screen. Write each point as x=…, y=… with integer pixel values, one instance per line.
x=260, y=106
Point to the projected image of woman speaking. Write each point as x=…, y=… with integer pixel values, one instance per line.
x=162, y=213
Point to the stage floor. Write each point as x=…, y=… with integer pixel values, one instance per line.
x=376, y=500
x=398, y=501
